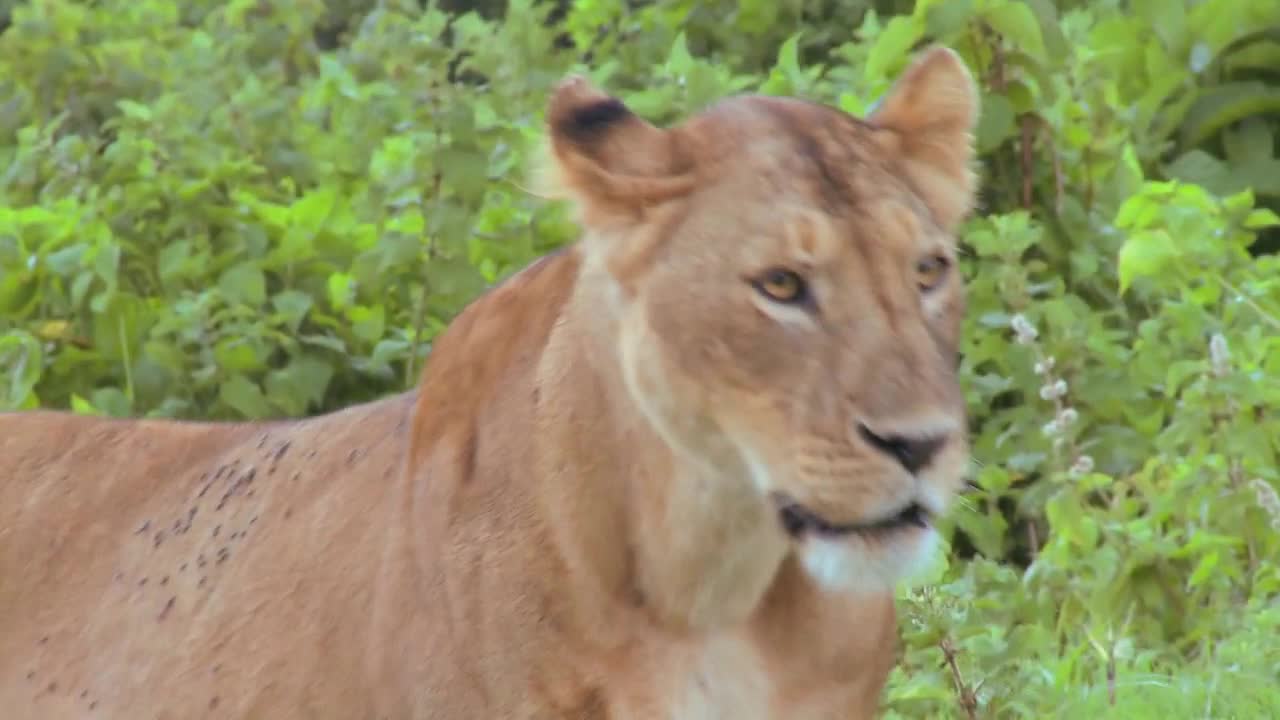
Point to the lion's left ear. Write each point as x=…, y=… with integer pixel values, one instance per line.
x=930, y=113
x=608, y=160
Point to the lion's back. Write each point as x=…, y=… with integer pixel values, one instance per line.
x=195, y=557
x=67, y=478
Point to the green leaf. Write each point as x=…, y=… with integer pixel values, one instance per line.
x=1137, y=212
x=997, y=122
x=946, y=17
x=135, y=110
x=985, y=530
x=1261, y=218
x=1204, y=569
x=112, y=402
x=293, y=305
x=933, y=572
x=301, y=385
x=1065, y=518
x=1018, y=23
x=788, y=61
x=174, y=261
x=1225, y=104
x=1167, y=19
x=245, y=397
x=1199, y=167
x=994, y=479
x=890, y=51
x=273, y=214
x=1249, y=141
x=67, y=260
x=367, y=323
x=22, y=362
x=1145, y=254
x=237, y=354
x=313, y=209
x=107, y=263
x=342, y=290
x=679, y=61
x=454, y=276
x=244, y=283
x=80, y=406
x=465, y=170
x=120, y=326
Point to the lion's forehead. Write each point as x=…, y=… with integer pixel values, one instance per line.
x=830, y=157
x=814, y=176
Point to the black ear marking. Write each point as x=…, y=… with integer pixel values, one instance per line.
x=587, y=123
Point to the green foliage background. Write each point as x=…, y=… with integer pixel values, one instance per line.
x=258, y=208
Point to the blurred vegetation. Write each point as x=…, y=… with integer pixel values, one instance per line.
x=257, y=208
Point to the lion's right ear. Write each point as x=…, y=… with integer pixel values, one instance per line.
x=930, y=113
x=606, y=158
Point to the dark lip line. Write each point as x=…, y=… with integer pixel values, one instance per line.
x=797, y=519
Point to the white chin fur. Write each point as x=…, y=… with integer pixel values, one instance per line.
x=856, y=565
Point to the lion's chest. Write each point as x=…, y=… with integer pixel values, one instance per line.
x=727, y=680
x=723, y=677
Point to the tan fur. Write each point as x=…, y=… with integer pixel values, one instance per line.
x=574, y=515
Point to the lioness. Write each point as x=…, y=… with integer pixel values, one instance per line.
x=672, y=471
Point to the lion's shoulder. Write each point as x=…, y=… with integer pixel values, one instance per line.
x=500, y=333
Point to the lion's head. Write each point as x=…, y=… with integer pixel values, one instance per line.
x=787, y=299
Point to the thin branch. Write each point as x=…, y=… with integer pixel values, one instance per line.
x=1268, y=317
x=968, y=699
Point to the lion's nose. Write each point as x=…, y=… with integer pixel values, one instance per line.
x=913, y=453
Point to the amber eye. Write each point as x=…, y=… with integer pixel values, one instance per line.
x=931, y=271
x=782, y=286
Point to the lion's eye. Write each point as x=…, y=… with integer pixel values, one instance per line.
x=931, y=271
x=782, y=286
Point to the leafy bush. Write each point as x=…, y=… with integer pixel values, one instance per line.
x=248, y=209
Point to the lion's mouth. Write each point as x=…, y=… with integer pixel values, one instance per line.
x=799, y=520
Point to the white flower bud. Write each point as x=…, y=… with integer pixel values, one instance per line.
x=1219, y=355
x=1083, y=465
x=1025, y=331
x=1268, y=498
x=1054, y=390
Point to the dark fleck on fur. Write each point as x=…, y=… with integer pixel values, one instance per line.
x=167, y=607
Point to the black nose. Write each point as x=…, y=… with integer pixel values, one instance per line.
x=913, y=453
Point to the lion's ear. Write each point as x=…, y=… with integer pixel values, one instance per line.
x=607, y=159
x=930, y=113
